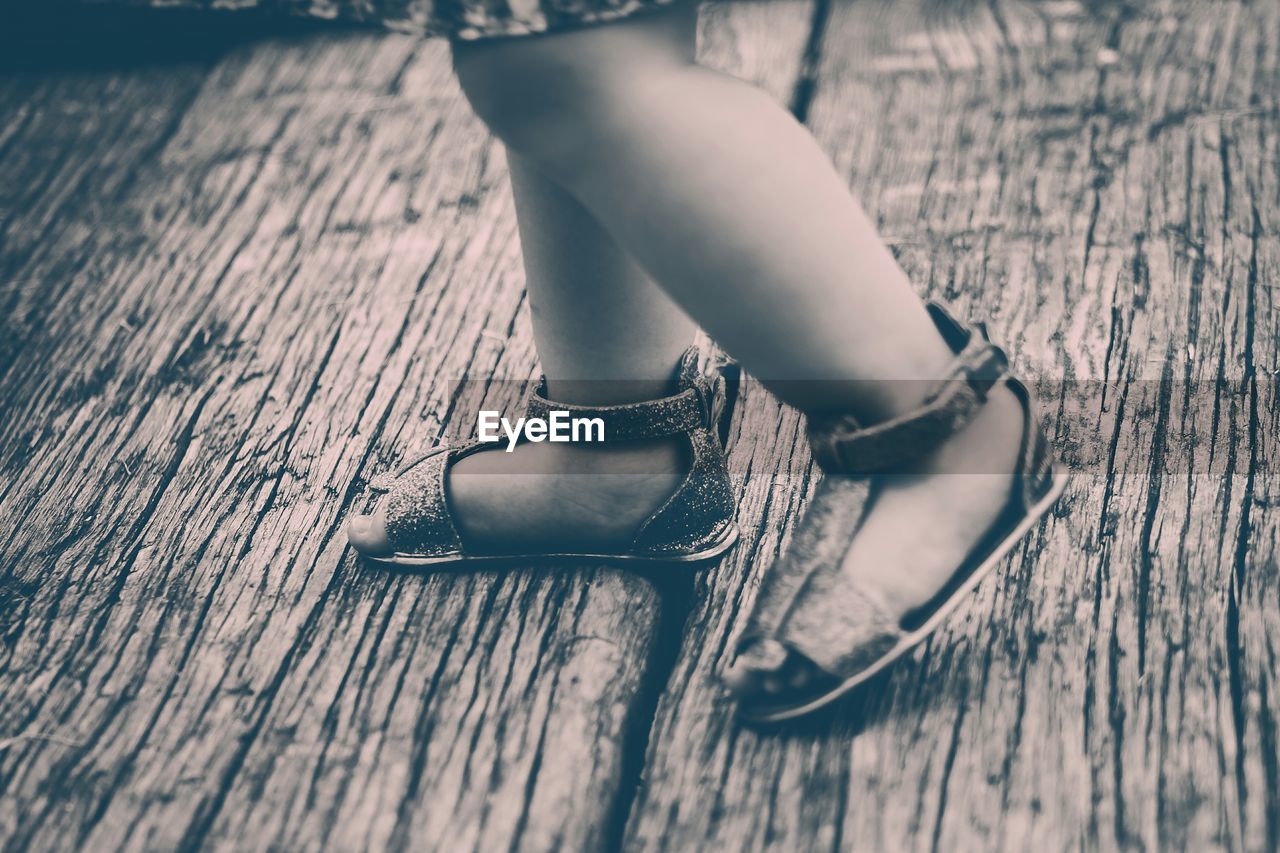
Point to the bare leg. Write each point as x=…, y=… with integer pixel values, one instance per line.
x=605, y=334
x=738, y=214
x=596, y=316
x=726, y=200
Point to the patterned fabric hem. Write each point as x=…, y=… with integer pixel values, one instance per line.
x=457, y=20
x=538, y=25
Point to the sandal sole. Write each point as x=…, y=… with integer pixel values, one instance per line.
x=407, y=561
x=774, y=713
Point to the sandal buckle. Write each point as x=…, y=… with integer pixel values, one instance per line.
x=711, y=399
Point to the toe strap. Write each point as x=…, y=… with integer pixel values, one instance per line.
x=834, y=626
x=418, y=517
x=837, y=626
x=822, y=537
x=807, y=604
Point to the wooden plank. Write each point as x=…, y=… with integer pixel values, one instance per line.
x=294, y=312
x=1101, y=186
x=274, y=308
x=1250, y=152
x=51, y=193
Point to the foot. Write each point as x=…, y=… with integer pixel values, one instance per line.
x=919, y=530
x=548, y=498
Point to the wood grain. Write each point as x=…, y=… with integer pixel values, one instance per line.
x=1100, y=185
x=230, y=640
x=232, y=290
x=234, y=295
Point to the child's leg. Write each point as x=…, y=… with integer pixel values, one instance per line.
x=737, y=213
x=596, y=315
x=605, y=334
x=726, y=200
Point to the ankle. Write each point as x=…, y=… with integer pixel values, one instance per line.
x=908, y=384
x=608, y=392
x=988, y=444
x=880, y=386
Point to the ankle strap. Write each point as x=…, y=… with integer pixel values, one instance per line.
x=698, y=404
x=840, y=444
x=649, y=419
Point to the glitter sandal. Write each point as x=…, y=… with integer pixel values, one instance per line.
x=809, y=618
x=694, y=523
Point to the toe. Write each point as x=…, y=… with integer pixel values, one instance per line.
x=800, y=673
x=769, y=670
x=368, y=534
x=740, y=679
x=755, y=667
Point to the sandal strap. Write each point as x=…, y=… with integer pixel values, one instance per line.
x=838, y=626
x=418, y=518
x=841, y=444
x=826, y=531
x=809, y=605
x=1034, y=475
x=692, y=408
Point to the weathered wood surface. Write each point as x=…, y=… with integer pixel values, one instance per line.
x=231, y=295
x=1102, y=184
x=231, y=292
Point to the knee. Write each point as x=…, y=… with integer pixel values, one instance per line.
x=548, y=96
x=523, y=92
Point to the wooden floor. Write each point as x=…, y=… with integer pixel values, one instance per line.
x=234, y=288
